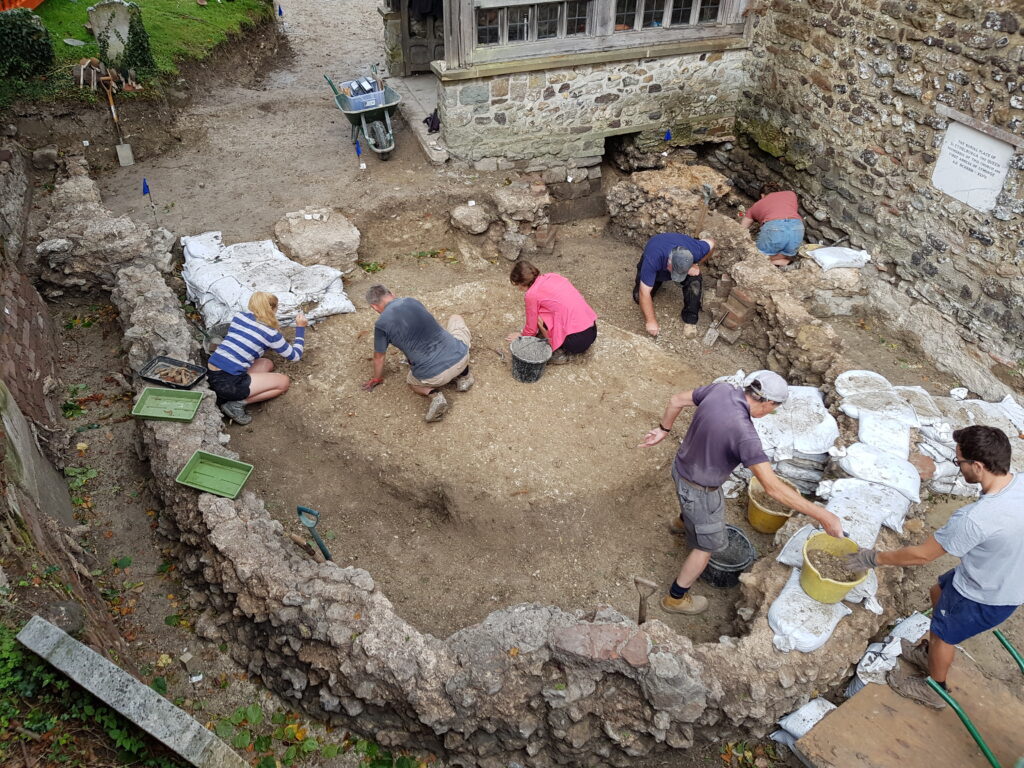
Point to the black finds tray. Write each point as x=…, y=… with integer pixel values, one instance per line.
x=172, y=373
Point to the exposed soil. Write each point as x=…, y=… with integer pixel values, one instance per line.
x=771, y=505
x=831, y=566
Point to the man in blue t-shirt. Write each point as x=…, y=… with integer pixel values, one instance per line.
x=676, y=257
x=988, y=584
x=720, y=437
x=437, y=356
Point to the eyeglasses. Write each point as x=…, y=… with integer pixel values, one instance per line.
x=961, y=462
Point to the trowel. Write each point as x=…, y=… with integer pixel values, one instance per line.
x=309, y=518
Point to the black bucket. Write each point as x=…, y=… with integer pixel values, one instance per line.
x=726, y=566
x=529, y=355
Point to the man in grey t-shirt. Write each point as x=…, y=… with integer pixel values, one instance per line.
x=720, y=437
x=988, y=584
x=436, y=355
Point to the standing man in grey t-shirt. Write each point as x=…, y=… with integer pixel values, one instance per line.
x=720, y=437
x=988, y=584
x=436, y=355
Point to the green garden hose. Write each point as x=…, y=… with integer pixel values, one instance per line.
x=966, y=721
x=1009, y=647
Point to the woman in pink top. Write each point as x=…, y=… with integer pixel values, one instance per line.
x=782, y=229
x=556, y=311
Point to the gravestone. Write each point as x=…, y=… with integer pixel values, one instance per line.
x=110, y=22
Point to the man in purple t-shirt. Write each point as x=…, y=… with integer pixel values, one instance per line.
x=720, y=437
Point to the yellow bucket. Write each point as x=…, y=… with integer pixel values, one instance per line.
x=761, y=518
x=817, y=586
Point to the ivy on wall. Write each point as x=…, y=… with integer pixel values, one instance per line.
x=25, y=47
x=136, y=53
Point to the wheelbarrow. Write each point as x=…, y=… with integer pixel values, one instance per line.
x=369, y=114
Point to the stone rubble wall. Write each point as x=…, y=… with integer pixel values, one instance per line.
x=531, y=684
x=843, y=109
x=84, y=244
x=559, y=118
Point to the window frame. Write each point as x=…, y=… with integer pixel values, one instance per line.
x=730, y=28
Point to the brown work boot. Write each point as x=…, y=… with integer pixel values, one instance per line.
x=914, y=687
x=688, y=604
x=915, y=654
x=676, y=527
x=438, y=407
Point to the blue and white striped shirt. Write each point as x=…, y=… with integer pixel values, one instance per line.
x=248, y=339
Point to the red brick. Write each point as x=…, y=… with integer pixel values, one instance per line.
x=743, y=297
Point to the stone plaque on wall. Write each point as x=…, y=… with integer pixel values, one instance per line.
x=972, y=166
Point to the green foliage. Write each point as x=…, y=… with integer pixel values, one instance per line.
x=25, y=47
x=40, y=700
x=371, y=266
x=79, y=476
x=136, y=54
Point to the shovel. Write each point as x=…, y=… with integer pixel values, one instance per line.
x=124, y=151
x=706, y=192
x=309, y=518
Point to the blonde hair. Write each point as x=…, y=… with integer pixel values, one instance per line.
x=264, y=306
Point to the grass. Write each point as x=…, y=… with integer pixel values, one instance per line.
x=179, y=30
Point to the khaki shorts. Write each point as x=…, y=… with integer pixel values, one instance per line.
x=703, y=514
x=456, y=327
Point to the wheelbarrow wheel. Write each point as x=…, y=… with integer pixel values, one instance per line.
x=379, y=137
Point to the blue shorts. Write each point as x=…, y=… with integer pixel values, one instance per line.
x=957, y=618
x=780, y=236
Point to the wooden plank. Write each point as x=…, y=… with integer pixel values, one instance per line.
x=878, y=728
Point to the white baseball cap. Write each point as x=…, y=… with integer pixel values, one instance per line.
x=768, y=385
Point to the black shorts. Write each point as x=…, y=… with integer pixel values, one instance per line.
x=579, y=342
x=228, y=386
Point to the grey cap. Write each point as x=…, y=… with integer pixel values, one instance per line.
x=768, y=385
x=679, y=261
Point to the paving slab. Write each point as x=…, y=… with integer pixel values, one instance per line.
x=877, y=728
x=131, y=698
x=419, y=98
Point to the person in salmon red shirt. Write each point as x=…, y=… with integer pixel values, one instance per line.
x=556, y=311
x=782, y=229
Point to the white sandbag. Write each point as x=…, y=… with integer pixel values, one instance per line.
x=912, y=628
x=1014, y=412
x=866, y=593
x=922, y=403
x=852, y=498
x=867, y=463
x=801, y=425
x=887, y=404
x=955, y=486
x=886, y=434
x=991, y=415
x=958, y=393
x=876, y=662
x=799, y=722
x=800, y=622
x=855, y=686
x=834, y=257
x=220, y=279
x=786, y=740
x=792, y=552
x=852, y=382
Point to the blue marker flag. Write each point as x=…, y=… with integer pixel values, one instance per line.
x=279, y=11
x=145, y=186
x=668, y=135
x=359, y=149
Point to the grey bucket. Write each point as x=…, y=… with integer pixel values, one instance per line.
x=529, y=354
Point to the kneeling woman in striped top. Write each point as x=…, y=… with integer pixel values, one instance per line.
x=238, y=373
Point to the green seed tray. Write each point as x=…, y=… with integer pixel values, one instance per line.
x=215, y=474
x=167, y=404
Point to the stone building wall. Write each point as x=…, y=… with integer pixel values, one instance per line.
x=559, y=118
x=26, y=338
x=530, y=683
x=846, y=106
